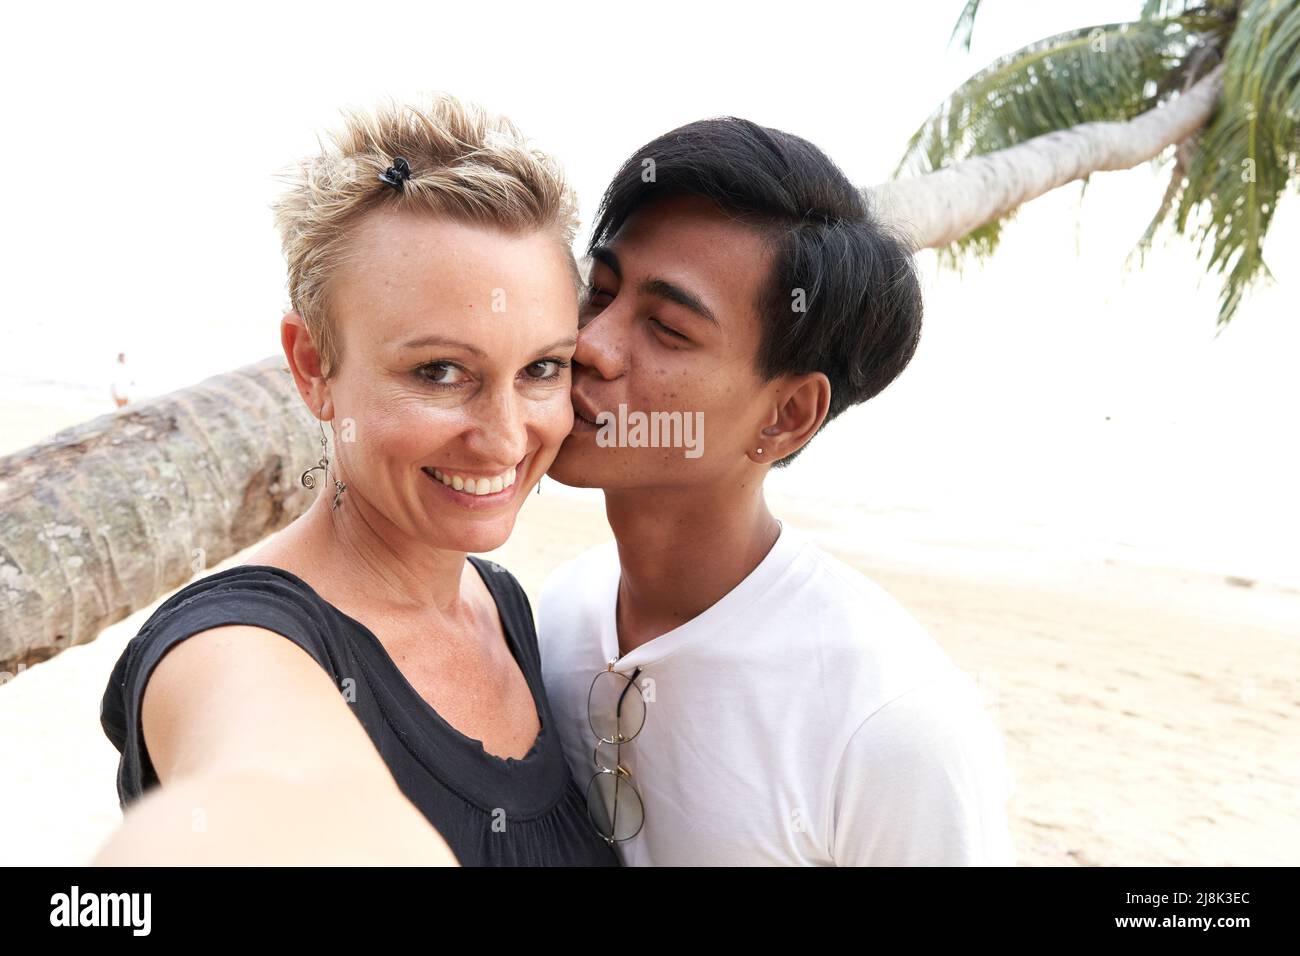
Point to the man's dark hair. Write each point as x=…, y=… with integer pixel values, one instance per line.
x=854, y=278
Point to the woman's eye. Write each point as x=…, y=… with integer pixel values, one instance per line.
x=669, y=331
x=441, y=373
x=549, y=368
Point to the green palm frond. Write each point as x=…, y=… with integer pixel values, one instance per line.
x=1246, y=158
x=1168, y=9
x=978, y=245
x=1225, y=181
x=961, y=33
x=1181, y=162
x=1109, y=72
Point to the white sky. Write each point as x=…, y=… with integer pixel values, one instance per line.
x=140, y=140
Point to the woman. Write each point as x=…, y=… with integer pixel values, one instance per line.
x=434, y=315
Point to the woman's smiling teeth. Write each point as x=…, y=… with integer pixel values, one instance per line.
x=475, y=486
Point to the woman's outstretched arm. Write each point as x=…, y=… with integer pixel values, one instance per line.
x=246, y=819
x=261, y=761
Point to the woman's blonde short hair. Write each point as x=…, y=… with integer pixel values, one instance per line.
x=466, y=165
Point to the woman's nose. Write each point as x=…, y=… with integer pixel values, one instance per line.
x=502, y=433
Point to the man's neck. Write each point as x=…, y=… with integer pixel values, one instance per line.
x=681, y=552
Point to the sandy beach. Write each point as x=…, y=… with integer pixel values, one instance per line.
x=1149, y=712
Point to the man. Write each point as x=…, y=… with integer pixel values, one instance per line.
x=729, y=693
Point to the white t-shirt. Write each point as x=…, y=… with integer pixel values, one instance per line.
x=806, y=718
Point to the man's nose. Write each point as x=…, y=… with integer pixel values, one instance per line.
x=602, y=345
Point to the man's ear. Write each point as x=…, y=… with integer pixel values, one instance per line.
x=305, y=365
x=803, y=405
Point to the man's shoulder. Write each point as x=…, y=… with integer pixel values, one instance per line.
x=930, y=716
x=847, y=584
x=861, y=616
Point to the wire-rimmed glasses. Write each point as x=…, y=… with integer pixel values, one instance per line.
x=616, y=713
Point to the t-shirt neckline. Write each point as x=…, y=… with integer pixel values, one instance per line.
x=777, y=560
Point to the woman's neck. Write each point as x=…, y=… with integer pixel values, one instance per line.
x=357, y=553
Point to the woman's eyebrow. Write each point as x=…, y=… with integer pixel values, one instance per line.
x=445, y=342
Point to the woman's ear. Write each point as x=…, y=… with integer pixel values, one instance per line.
x=803, y=407
x=305, y=364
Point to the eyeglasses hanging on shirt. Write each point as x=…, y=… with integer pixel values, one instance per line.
x=616, y=712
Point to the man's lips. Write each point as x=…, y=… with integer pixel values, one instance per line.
x=583, y=412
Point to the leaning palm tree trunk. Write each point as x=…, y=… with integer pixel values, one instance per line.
x=102, y=519
x=941, y=207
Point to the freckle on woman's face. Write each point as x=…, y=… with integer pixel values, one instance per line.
x=454, y=340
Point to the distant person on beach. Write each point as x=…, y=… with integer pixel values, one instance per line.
x=123, y=386
x=366, y=689
x=729, y=693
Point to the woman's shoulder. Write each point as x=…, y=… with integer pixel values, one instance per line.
x=254, y=595
x=238, y=577
x=247, y=591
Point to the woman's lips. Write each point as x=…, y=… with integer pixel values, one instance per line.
x=475, y=501
x=476, y=484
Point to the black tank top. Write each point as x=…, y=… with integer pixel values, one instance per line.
x=491, y=810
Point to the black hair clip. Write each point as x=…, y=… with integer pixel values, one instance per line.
x=397, y=174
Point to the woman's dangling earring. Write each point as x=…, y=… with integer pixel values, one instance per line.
x=309, y=480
